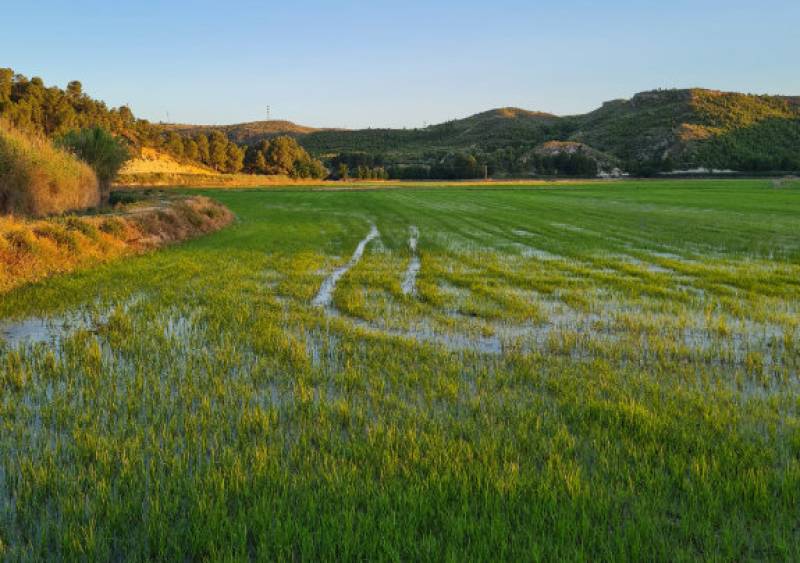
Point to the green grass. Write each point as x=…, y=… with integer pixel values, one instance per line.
x=606, y=371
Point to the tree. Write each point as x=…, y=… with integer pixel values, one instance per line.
x=254, y=161
x=75, y=89
x=174, y=144
x=101, y=150
x=307, y=167
x=281, y=155
x=250, y=156
x=203, y=149
x=343, y=171
x=235, y=158
x=126, y=116
x=190, y=149
x=218, y=150
x=260, y=165
x=6, y=85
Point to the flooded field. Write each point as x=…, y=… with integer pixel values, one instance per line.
x=605, y=371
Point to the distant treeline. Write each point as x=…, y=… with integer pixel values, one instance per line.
x=463, y=165
x=280, y=155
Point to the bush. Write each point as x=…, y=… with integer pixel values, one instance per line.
x=123, y=198
x=102, y=151
x=58, y=235
x=38, y=179
x=21, y=241
x=75, y=224
x=212, y=212
x=114, y=227
x=192, y=217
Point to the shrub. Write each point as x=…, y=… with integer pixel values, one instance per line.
x=102, y=151
x=75, y=224
x=113, y=226
x=166, y=218
x=212, y=212
x=38, y=179
x=21, y=241
x=58, y=234
x=194, y=218
x=123, y=198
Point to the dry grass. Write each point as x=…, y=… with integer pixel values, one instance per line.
x=153, y=161
x=154, y=168
x=166, y=179
x=38, y=179
x=31, y=250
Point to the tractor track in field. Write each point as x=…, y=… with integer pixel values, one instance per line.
x=324, y=296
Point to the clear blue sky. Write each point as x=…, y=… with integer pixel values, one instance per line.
x=373, y=63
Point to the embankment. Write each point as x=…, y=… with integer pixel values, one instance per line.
x=31, y=250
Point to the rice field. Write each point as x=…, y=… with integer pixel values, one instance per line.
x=598, y=372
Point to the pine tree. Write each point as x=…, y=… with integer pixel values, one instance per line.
x=175, y=145
x=234, y=158
x=190, y=149
x=260, y=166
x=218, y=151
x=203, y=149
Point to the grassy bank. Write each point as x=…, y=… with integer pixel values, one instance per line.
x=38, y=179
x=592, y=372
x=31, y=250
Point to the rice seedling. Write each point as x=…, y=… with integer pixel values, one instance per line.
x=282, y=390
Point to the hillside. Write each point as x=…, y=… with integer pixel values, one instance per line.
x=652, y=131
x=152, y=161
x=697, y=127
x=663, y=129
x=245, y=133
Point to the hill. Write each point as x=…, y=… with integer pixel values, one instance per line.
x=657, y=130
x=245, y=133
x=697, y=128
x=488, y=130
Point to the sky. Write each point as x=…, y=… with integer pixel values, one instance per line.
x=406, y=63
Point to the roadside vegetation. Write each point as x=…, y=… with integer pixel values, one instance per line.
x=601, y=371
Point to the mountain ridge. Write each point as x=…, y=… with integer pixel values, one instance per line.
x=637, y=100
